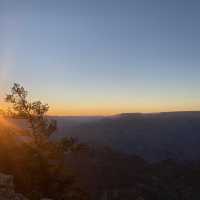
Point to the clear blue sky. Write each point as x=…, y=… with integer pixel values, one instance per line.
x=103, y=56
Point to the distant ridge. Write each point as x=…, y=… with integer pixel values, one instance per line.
x=155, y=136
x=170, y=113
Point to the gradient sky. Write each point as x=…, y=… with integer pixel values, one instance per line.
x=91, y=57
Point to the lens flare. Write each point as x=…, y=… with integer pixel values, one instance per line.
x=7, y=124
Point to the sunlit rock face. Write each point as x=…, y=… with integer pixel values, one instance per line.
x=7, y=191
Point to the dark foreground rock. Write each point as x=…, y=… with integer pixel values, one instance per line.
x=7, y=191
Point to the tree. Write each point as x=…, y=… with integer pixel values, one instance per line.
x=42, y=161
x=34, y=112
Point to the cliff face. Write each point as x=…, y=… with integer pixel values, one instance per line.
x=7, y=191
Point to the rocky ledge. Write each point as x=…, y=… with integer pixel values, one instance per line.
x=7, y=191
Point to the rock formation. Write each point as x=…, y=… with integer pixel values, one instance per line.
x=7, y=191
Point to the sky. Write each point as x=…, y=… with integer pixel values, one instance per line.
x=102, y=57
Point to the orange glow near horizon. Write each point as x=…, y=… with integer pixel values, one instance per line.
x=107, y=111
x=113, y=109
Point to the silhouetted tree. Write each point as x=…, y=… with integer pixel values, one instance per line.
x=42, y=160
x=33, y=112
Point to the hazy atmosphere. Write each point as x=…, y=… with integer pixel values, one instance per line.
x=103, y=57
x=99, y=99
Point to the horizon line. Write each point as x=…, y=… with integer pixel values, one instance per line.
x=121, y=113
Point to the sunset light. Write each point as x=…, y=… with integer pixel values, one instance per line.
x=99, y=100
